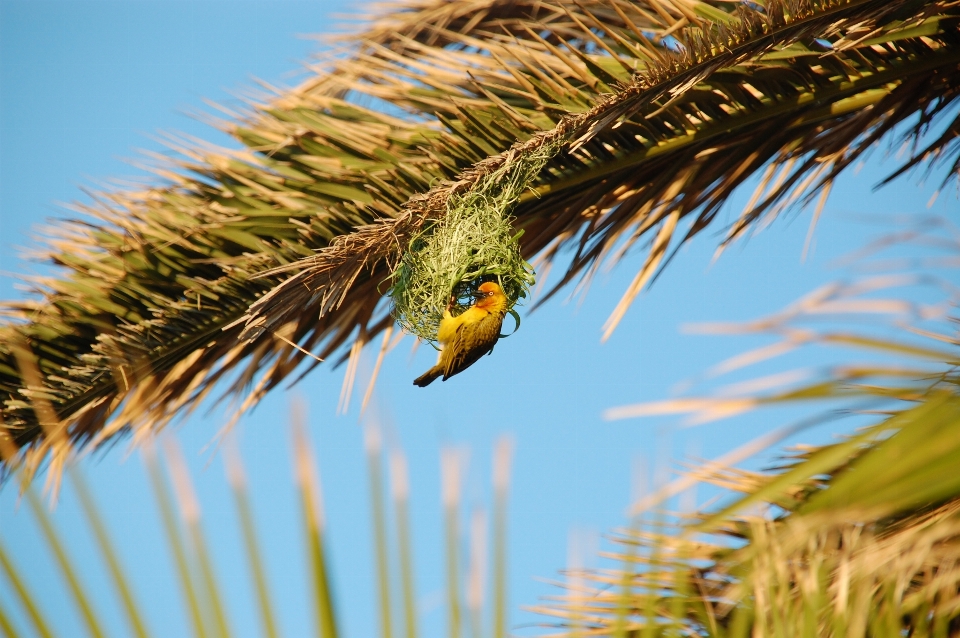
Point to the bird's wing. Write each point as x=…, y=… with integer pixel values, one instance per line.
x=471, y=342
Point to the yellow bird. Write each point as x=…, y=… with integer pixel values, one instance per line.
x=468, y=336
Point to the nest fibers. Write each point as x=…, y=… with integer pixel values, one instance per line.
x=473, y=243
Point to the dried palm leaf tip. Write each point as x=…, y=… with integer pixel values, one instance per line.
x=474, y=242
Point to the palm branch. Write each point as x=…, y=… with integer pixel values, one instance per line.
x=651, y=112
x=853, y=538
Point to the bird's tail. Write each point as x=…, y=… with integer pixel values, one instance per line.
x=428, y=377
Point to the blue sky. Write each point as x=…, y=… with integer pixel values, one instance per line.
x=85, y=84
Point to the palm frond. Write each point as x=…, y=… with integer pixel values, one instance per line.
x=660, y=110
x=853, y=538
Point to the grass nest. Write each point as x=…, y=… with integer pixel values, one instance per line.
x=474, y=242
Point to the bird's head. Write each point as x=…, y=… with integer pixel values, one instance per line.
x=487, y=289
x=489, y=297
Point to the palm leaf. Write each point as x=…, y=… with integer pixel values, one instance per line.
x=660, y=111
x=853, y=538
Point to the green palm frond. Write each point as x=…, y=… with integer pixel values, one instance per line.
x=209, y=606
x=854, y=538
x=817, y=575
x=857, y=538
x=660, y=110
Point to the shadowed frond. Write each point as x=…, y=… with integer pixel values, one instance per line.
x=659, y=109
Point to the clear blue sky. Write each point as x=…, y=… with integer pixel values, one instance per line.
x=84, y=84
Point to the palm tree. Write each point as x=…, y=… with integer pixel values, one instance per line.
x=611, y=121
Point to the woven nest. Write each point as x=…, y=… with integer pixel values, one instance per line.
x=474, y=242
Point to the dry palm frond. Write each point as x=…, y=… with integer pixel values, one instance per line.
x=661, y=109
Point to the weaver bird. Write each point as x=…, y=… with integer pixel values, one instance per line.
x=468, y=336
